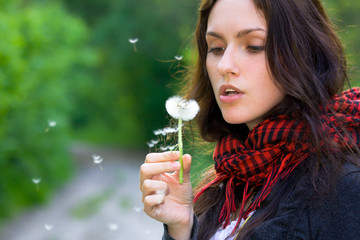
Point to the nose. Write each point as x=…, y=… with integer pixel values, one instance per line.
x=229, y=62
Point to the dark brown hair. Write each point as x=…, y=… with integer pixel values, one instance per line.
x=307, y=63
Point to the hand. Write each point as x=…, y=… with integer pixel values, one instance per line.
x=164, y=198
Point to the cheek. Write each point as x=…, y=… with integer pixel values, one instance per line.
x=211, y=64
x=211, y=71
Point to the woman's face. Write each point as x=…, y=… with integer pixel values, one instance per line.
x=236, y=62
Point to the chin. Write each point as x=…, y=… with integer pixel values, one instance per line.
x=233, y=119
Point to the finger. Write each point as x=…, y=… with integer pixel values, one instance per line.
x=187, y=166
x=151, y=187
x=151, y=204
x=162, y=157
x=187, y=163
x=149, y=170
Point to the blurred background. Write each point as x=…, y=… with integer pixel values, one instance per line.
x=83, y=85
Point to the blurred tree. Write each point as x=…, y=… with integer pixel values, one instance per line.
x=41, y=46
x=345, y=15
x=132, y=86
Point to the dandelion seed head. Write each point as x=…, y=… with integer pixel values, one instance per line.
x=97, y=159
x=133, y=40
x=179, y=108
x=36, y=180
x=48, y=227
x=179, y=58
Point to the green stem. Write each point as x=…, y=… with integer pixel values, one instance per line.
x=180, y=143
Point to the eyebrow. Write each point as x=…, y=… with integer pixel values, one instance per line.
x=240, y=34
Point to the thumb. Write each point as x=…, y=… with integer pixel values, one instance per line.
x=187, y=166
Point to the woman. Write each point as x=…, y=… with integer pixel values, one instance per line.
x=268, y=81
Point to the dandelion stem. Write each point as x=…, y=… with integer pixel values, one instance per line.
x=180, y=143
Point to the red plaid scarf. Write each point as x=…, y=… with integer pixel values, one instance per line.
x=273, y=149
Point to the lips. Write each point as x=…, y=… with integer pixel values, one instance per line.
x=229, y=93
x=229, y=90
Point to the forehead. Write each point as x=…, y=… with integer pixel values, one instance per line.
x=235, y=13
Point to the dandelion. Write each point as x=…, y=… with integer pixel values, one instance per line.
x=113, y=226
x=133, y=41
x=179, y=108
x=36, y=181
x=178, y=58
x=97, y=159
x=183, y=110
x=48, y=227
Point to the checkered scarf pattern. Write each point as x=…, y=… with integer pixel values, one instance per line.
x=274, y=148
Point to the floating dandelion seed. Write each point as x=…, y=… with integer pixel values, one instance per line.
x=137, y=209
x=183, y=110
x=97, y=159
x=51, y=124
x=113, y=226
x=133, y=41
x=48, y=227
x=36, y=181
x=178, y=58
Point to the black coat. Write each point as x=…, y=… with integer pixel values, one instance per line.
x=300, y=216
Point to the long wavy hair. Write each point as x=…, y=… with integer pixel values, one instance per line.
x=307, y=63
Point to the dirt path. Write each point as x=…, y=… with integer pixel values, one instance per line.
x=96, y=205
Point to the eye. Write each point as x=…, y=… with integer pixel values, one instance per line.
x=216, y=50
x=255, y=49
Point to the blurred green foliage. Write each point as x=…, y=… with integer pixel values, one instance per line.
x=40, y=47
x=345, y=16
x=128, y=103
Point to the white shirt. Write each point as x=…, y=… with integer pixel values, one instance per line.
x=221, y=233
